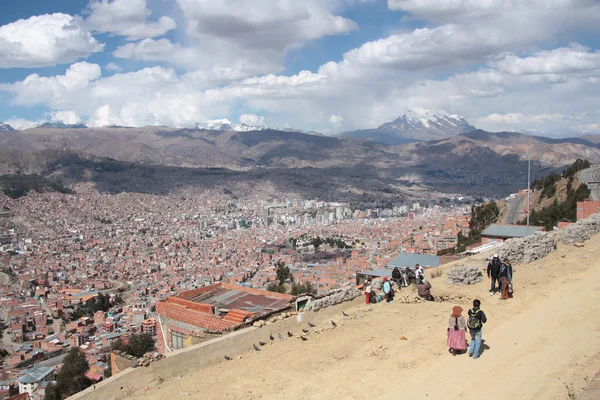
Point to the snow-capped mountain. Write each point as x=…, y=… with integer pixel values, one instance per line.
x=416, y=126
x=61, y=125
x=227, y=125
x=6, y=127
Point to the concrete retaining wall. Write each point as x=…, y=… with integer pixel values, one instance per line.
x=191, y=359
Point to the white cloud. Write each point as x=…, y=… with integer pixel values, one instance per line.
x=274, y=24
x=252, y=119
x=112, y=67
x=128, y=18
x=335, y=119
x=45, y=40
x=566, y=60
x=66, y=117
x=242, y=38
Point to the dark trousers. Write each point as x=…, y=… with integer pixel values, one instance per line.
x=494, y=280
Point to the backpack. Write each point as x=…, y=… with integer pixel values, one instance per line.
x=474, y=322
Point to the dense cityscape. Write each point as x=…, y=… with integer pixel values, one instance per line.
x=62, y=251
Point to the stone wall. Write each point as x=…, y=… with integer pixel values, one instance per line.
x=581, y=230
x=530, y=248
x=335, y=298
x=540, y=244
x=462, y=275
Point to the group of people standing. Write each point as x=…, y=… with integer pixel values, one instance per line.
x=458, y=326
x=400, y=279
x=501, y=273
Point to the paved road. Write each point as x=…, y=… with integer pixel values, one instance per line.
x=591, y=177
x=514, y=210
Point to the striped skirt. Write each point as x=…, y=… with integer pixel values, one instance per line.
x=457, y=339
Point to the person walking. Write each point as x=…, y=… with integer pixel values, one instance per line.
x=493, y=269
x=475, y=323
x=457, y=327
x=505, y=276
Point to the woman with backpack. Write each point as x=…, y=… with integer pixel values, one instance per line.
x=457, y=328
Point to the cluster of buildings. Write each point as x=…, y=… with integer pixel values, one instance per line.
x=60, y=253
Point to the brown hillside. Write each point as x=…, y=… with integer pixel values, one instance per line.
x=537, y=344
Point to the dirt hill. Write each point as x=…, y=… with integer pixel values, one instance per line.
x=542, y=344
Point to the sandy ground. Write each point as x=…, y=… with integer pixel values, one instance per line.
x=543, y=344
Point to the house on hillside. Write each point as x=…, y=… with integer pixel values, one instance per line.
x=501, y=232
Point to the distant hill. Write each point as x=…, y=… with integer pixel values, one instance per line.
x=61, y=125
x=475, y=162
x=415, y=126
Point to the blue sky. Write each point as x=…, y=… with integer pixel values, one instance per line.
x=327, y=65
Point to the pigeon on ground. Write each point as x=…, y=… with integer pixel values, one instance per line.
x=228, y=358
x=311, y=325
x=334, y=324
x=280, y=337
x=305, y=330
x=290, y=334
x=262, y=343
x=255, y=347
x=271, y=337
x=303, y=338
x=344, y=314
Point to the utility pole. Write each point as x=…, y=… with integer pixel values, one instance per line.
x=528, y=185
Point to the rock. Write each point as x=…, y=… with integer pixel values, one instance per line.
x=257, y=324
x=462, y=275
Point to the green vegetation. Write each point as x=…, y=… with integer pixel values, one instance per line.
x=276, y=287
x=566, y=210
x=481, y=217
x=71, y=378
x=305, y=287
x=137, y=345
x=18, y=185
x=283, y=272
x=102, y=302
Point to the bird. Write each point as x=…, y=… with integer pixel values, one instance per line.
x=305, y=330
x=262, y=343
x=271, y=337
x=280, y=337
x=303, y=338
x=290, y=334
x=344, y=314
x=228, y=358
x=334, y=324
x=255, y=347
x=311, y=325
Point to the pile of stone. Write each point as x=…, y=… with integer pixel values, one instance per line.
x=149, y=358
x=336, y=297
x=581, y=230
x=407, y=295
x=462, y=275
x=530, y=248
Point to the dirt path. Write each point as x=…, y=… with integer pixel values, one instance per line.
x=537, y=344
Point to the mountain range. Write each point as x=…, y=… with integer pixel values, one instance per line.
x=476, y=162
x=415, y=126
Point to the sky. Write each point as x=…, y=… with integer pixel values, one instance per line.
x=324, y=65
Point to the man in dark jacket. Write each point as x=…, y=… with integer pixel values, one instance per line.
x=493, y=271
x=475, y=322
x=397, y=277
x=505, y=278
